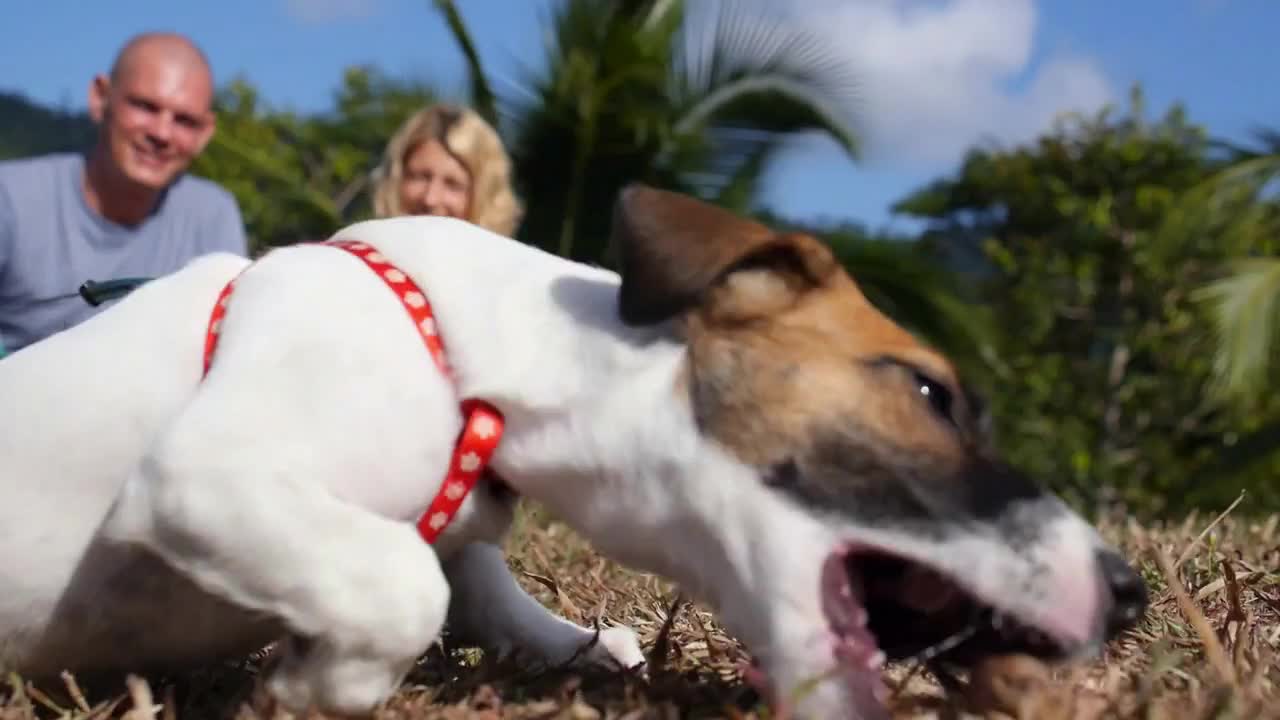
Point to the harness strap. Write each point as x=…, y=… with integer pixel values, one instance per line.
x=483, y=424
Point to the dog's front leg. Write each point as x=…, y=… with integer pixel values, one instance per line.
x=491, y=609
x=362, y=597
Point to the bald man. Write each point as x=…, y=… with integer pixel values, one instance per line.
x=125, y=208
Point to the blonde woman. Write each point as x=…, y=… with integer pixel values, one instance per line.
x=446, y=160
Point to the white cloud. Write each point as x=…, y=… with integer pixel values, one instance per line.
x=326, y=11
x=938, y=77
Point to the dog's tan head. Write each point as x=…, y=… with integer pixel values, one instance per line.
x=896, y=530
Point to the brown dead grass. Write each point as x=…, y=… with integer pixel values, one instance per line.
x=1207, y=648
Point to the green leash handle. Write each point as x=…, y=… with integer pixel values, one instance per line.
x=97, y=292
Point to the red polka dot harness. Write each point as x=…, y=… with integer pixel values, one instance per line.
x=483, y=423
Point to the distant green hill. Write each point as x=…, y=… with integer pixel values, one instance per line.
x=29, y=128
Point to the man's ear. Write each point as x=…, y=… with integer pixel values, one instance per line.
x=99, y=92
x=677, y=253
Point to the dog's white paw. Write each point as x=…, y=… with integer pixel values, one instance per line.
x=616, y=648
x=318, y=678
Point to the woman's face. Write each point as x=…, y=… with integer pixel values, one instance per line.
x=434, y=182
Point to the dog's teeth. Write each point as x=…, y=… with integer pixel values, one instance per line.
x=876, y=660
x=881, y=691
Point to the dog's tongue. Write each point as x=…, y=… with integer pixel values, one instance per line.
x=843, y=595
x=860, y=657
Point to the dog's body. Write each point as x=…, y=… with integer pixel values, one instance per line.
x=359, y=461
x=155, y=520
x=79, y=410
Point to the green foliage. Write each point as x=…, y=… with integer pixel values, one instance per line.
x=627, y=93
x=27, y=128
x=1239, y=205
x=483, y=100
x=1245, y=306
x=301, y=177
x=1112, y=288
x=1104, y=360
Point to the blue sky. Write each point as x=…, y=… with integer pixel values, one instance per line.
x=939, y=74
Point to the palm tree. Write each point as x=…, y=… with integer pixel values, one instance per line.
x=629, y=91
x=646, y=90
x=1238, y=206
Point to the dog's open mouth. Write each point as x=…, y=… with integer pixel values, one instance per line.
x=881, y=607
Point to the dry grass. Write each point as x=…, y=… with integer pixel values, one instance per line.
x=1208, y=648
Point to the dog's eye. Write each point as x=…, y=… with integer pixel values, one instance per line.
x=783, y=474
x=937, y=395
x=940, y=398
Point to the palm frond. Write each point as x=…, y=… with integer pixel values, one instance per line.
x=664, y=11
x=1245, y=307
x=1267, y=142
x=591, y=118
x=1236, y=205
x=1255, y=172
x=737, y=186
x=737, y=70
x=638, y=90
x=482, y=98
x=766, y=73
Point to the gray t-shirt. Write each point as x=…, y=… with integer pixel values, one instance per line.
x=51, y=241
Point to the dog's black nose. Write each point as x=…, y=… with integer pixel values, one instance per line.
x=1128, y=592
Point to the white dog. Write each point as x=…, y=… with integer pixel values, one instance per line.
x=728, y=411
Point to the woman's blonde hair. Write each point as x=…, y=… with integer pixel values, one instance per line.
x=475, y=144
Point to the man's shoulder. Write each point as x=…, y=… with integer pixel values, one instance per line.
x=203, y=194
x=28, y=185
x=211, y=206
x=19, y=171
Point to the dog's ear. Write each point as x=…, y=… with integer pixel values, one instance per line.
x=677, y=253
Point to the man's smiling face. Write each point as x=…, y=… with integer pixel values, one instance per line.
x=154, y=112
